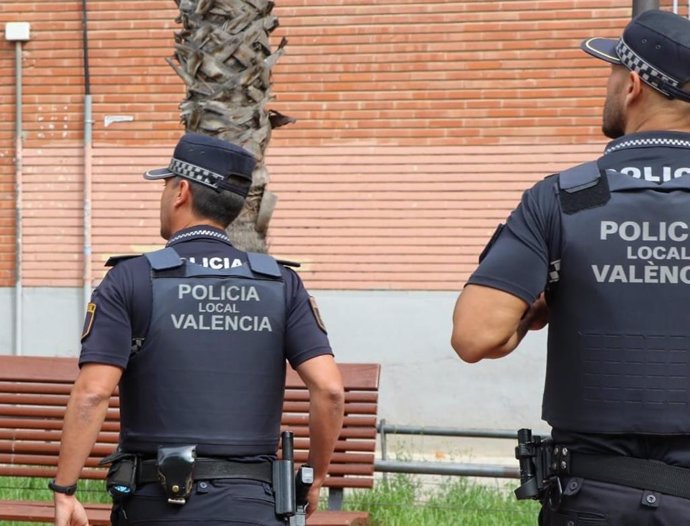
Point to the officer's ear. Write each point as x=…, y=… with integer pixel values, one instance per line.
x=183, y=195
x=633, y=88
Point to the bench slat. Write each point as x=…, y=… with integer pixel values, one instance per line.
x=45, y=412
x=26, y=423
x=48, y=435
x=30, y=387
x=363, y=397
x=350, y=408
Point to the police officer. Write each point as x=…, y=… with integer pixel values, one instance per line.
x=197, y=335
x=601, y=253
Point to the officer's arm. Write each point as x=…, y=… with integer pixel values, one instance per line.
x=85, y=413
x=490, y=323
x=326, y=404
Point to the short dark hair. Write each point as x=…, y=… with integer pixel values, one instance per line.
x=222, y=207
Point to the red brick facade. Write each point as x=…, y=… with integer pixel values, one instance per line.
x=418, y=125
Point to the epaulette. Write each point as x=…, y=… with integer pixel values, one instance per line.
x=582, y=187
x=114, y=260
x=287, y=263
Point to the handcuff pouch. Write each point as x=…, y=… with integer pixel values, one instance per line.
x=176, y=472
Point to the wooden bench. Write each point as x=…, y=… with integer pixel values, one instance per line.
x=34, y=392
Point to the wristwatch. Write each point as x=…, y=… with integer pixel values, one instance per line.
x=66, y=490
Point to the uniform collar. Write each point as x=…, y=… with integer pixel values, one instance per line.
x=198, y=232
x=666, y=139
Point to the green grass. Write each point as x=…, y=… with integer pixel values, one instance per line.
x=401, y=500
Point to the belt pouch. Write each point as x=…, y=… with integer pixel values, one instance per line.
x=176, y=472
x=122, y=474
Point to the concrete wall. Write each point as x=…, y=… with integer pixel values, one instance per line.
x=51, y=323
x=423, y=381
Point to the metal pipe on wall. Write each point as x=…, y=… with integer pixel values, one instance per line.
x=88, y=157
x=88, y=166
x=644, y=5
x=18, y=32
x=19, y=159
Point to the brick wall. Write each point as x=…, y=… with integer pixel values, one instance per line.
x=419, y=122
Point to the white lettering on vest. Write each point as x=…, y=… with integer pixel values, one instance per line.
x=219, y=322
x=649, y=173
x=216, y=263
x=647, y=274
x=218, y=292
x=645, y=231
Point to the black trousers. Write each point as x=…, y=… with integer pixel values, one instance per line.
x=212, y=503
x=592, y=503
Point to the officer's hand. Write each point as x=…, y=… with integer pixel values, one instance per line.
x=69, y=511
x=313, y=498
x=537, y=316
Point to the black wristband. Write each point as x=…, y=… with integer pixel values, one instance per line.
x=66, y=490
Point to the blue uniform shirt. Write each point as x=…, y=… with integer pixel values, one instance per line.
x=120, y=309
x=523, y=259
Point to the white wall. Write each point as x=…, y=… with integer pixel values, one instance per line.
x=423, y=382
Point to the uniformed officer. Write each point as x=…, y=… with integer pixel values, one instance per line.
x=197, y=335
x=600, y=252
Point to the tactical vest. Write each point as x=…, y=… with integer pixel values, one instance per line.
x=211, y=371
x=619, y=325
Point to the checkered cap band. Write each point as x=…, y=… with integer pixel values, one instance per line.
x=648, y=73
x=196, y=173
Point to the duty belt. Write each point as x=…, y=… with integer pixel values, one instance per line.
x=212, y=468
x=644, y=474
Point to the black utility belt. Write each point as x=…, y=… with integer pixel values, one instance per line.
x=211, y=469
x=644, y=474
x=176, y=468
x=543, y=464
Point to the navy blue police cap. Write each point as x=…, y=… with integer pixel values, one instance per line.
x=209, y=161
x=656, y=45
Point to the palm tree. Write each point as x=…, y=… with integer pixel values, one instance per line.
x=223, y=55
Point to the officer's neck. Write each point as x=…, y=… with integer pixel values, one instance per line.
x=194, y=222
x=673, y=116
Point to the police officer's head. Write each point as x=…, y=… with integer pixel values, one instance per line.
x=650, y=72
x=207, y=179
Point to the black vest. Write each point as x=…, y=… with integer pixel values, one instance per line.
x=619, y=327
x=211, y=371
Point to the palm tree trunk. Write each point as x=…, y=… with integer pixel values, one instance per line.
x=223, y=55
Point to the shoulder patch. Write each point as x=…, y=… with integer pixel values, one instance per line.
x=317, y=314
x=114, y=260
x=88, y=320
